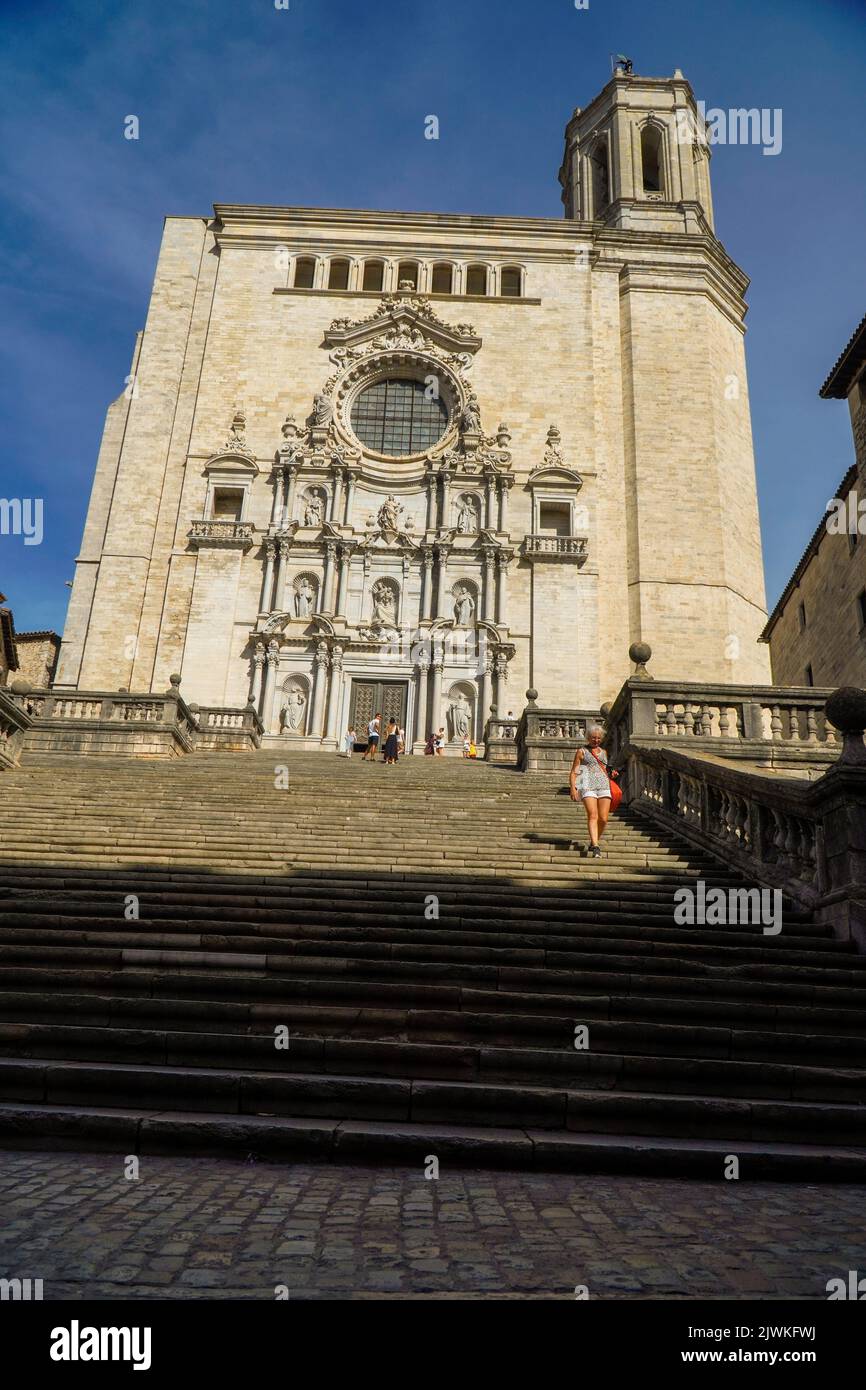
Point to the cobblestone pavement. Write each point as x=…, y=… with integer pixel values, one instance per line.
x=212, y=1228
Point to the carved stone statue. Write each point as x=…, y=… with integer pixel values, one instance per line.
x=323, y=409
x=384, y=604
x=471, y=416
x=464, y=606
x=389, y=514
x=313, y=510
x=460, y=712
x=293, y=710
x=305, y=596
x=467, y=519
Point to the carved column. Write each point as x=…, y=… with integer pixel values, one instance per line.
x=436, y=701
x=490, y=521
x=281, y=574
x=401, y=609
x=292, y=474
x=343, y=586
x=442, y=551
x=350, y=497
x=334, y=692
x=431, y=501
x=336, y=494
x=501, y=668
x=421, y=730
x=273, y=657
x=266, y=605
x=504, y=488
x=279, y=488
x=442, y=519
x=486, y=693
x=320, y=679
x=256, y=681
x=427, y=584
x=489, y=581
x=502, y=590
x=328, y=583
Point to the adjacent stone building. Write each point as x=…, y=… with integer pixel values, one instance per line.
x=817, y=631
x=414, y=463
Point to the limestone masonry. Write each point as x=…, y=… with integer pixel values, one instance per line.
x=415, y=463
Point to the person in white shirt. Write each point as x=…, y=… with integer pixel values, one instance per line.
x=372, y=739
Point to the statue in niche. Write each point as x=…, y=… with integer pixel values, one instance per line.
x=305, y=596
x=471, y=417
x=293, y=710
x=467, y=518
x=460, y=712
x=323, y=409
x=389, y=514
x=384, y=605
x=464, y=606
x=313, y=510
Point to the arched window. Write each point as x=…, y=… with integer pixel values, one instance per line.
x=476, y=279
x=374, y=274
x=443, y=279
x=510, y=281
x=600, y=173
x=408, y=270
x=338, y=275
x=305, y=272
x=651, y=158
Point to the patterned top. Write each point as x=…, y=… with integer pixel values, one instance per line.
x=591, y=779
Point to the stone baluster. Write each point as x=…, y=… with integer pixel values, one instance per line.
x=256, y=681
x=273, y=659
x=724, y=721
x=811, y=725
x=328, y=583
x=320, y=678
x=334, y=693
x=775, y=724
x=267, y=605
x=421, y=730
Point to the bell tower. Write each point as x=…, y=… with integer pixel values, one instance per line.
x=637, y=158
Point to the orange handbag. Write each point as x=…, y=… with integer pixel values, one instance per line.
x=615, y=788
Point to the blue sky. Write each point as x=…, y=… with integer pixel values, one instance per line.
x=324, y=104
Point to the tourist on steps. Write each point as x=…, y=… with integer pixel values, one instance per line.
x=389, y=752
x=589, y=783
x=430, y=746
x=349, y=741
x=372, y=739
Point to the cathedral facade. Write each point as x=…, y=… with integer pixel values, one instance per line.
x=414, y=463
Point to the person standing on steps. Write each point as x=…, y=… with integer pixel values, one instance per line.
x=589, y=782
x=372, y=739
x=389, y=752
x=349, y=741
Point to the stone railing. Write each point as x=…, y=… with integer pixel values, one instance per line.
x=227, y=728
x=764, y=724
x=218, y=532
x=547, y=738
x=91, y=721
x=14, y=723
x=500, y=740
x=556, y=547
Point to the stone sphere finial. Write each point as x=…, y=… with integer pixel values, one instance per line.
x=846, y=711
x=21, y=687
x=640, y=653
x=174, y=681
x=531, y=696
x=605, y=710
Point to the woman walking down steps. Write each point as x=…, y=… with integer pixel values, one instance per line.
x=589, y=782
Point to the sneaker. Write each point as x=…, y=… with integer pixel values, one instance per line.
x=595, y=852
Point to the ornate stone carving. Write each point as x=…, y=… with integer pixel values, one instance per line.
x=467, y=517
x=388, y=515
x=470, y=418
x=384, y=604
x=323, y=409
x=314, y=507
x=464, y=606
x=305, y=596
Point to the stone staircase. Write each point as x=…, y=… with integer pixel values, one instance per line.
x=427, y=941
